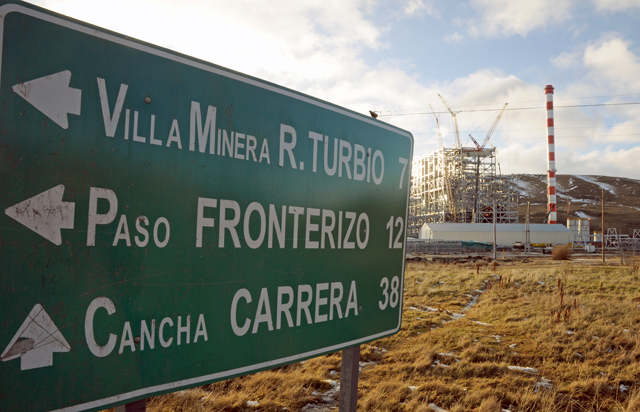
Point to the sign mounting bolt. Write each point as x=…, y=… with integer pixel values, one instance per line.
x=147, y=100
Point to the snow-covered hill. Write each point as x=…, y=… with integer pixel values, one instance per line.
x=581, y=195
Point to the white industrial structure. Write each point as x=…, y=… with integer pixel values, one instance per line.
x=460, y=184
x=506, y=234
x=581, y=229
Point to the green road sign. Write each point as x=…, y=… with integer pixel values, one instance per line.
x=168, y=222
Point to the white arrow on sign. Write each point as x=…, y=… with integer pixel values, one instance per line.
x=52, y=96
x=45, y=214
x=40, y=338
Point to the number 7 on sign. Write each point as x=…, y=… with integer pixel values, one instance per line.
x=404, y=162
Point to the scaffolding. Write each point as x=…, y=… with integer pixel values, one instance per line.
x=459, y=185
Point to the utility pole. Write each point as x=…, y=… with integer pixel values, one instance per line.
x=527, y=236
x=603, y=226
x=495, y=246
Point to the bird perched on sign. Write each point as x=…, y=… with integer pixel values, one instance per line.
x=373, y=114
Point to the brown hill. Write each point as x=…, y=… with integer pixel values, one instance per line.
x=581, y=196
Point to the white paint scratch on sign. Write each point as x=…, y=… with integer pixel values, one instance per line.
x=40, y=338
x=45, y=214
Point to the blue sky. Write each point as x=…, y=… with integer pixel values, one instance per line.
x=395, y=57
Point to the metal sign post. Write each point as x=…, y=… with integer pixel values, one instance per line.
x=349, y=372
x=138, y=406
x=169, y=223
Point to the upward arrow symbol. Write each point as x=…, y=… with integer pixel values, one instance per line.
x=40, y=338
x=52, y=96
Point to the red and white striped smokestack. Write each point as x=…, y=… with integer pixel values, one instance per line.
x=551, y=159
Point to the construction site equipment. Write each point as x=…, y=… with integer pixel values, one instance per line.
x=491, y=130
x=440, y=142
x=459, y=185
x=455, y=122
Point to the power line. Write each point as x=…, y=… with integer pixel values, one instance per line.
x=555, y=99
x=498, y=138
x=513, y=108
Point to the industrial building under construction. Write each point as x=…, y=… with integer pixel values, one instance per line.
x=460, y=185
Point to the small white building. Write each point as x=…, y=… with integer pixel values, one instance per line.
x=540, y=234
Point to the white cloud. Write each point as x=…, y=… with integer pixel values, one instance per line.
x=607, y=67
x=609, y=162
x=311, y=39
x=508, y=18
x=566, y=60
x=615, y=5
x=613, y=66
x=454, y=37
x=420, y=8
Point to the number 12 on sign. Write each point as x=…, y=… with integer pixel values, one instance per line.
x=397, y=243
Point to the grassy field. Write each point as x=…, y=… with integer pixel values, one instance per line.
x=538, y=336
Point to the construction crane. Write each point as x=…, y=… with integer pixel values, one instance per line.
x=440, y=143
x=480, y=149
x=446, y=182
x=491, y=130
x=455, y=121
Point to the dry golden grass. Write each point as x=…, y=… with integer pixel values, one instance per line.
x=577, y=325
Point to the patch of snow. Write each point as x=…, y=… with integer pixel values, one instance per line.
x=437, y=363
x=332, y=373
x=413, y=388
x=524, y=188
x=604, y=186
x=523, y=369
x=424, y=311
x=625, y=331
x=481, y=323
x=513, y=345
x=472, y=303
x=545, y=385
x=624, y=388
x=252, y=403
x=436, y=408
x=365, y=364
x=326, y=401
x=310, y=407
x=570, y=332
x=582, y=215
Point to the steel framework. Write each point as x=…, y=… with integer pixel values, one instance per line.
x=459, y=185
